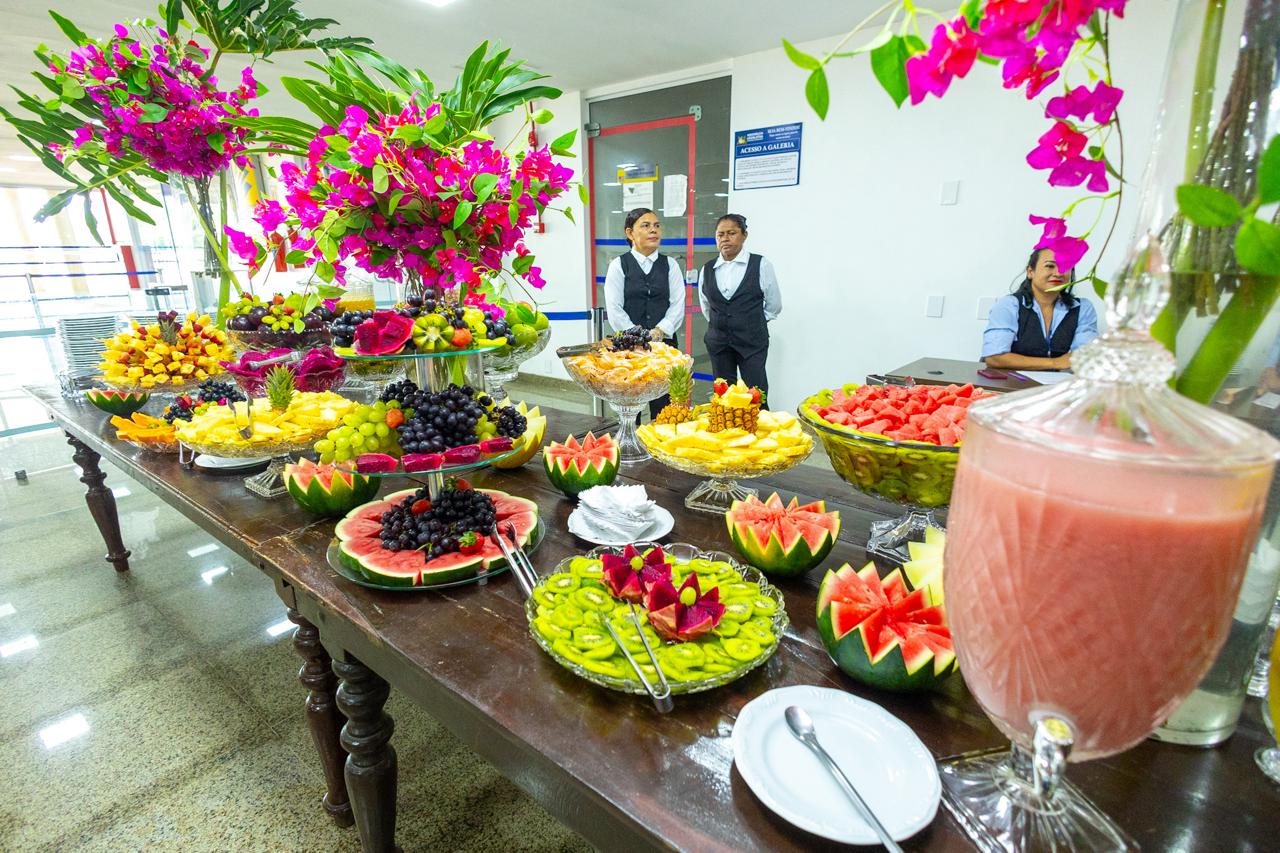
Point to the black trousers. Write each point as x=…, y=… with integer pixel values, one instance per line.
x=729, y=363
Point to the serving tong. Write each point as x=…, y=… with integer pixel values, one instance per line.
x=516, y=558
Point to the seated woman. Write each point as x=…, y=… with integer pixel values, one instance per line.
x=1036, y=328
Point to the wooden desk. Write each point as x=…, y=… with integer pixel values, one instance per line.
x=604, y=763
x=946, y=371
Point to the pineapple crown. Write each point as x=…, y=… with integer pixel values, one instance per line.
x=280, y=387
x=681, y=384
x=168, y=321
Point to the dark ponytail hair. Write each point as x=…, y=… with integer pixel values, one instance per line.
x=633, y=216
x=1024, y=293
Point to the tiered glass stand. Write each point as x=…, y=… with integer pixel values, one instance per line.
x=717, y=493
x=502, y=364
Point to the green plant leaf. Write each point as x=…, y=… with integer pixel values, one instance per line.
x=337, y=142
x=1269, y=172
x=1258, y=247
x=408, y=132
x=69, y=29
x=972, y=12
x=152, y=113
x=461, y=213
x=330, y=291
x=328, y=248
x=800, y=58
x=216, y=141
x=817, y=93
x=888, y=63
x=380, y=178
x=521, y=264
x=483, y=186
x=71, y=89
x=542, y=116
x=568, y=214
x=325, y=271
x=915, y=44
x=584, y=195
x=561, y=144
x=1208, y=207
x=294, y=256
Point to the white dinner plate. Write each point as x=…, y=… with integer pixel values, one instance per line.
x=885, y=761
x=663, y=522
x=228, y=463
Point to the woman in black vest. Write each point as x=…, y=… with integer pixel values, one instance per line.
x=644, y=287
x=1036, y=327
x=739, y=295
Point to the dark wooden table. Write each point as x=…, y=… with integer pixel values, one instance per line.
x=945, y=371
x=604, y=763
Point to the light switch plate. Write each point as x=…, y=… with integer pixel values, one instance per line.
x=934, y=307
x=984, y=306
x=950, y=192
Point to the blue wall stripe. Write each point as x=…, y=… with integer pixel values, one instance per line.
x=670, y=241
x=705, y=377
x=568, y=315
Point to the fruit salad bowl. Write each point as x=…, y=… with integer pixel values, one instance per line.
x=916, y=475
x=568, y=606
x=262, y=340
x=717, y=493
x=502, y=364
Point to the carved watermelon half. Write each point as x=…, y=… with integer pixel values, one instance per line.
x=114, y=402
x=361, y=548
x=574, y=467
x=326, y=489
x=882, y=634
x=782, y=539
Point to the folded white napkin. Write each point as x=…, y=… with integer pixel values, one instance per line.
x=617, y=512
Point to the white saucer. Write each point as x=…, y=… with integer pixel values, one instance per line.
x=885, y=761
x=228, y=463
x=662, y=524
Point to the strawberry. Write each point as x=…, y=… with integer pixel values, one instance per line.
x=394, y=418
x=755, y=395
x=461, y=485
x=420, y=506
x=470, y=543
x=461, y=338
x=720, y=386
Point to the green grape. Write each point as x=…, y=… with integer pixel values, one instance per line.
x=351, y=419
x=324, y=445
x=374, y=416
x=382, y=430
x=357, y=441
x=341, y=441
x=366, y=429
x=342, y=454
x=326, y=457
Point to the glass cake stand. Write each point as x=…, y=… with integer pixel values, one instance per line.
x=267, y=484
x=502, y=364
x=626, y=399
x=717, y=493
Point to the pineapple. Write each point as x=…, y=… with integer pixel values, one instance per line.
x=734, y=407
x=677, y=411
x=280, y=387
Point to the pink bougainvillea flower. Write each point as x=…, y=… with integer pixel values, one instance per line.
x=1081, y=102
x=244, y=247
x=951, y=55
x=1067, y=250
x=1026, y=70
x=1061, y=142
x=1000, y=15
x=269, y=215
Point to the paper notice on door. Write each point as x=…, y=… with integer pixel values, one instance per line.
x=675, y=193
x=1268, y=400
x=637, y=194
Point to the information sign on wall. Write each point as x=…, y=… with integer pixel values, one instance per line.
x=767, y=157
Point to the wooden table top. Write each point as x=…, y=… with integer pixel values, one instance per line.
x=946, y=371
x=606, y=763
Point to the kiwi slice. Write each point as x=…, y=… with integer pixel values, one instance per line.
x=753, y=632
x=726, y=628
x=566, y=650
x=550, y=630
x=719, y=668
x=763, y=605
x=738, y=590
x=682, y=655
x=611, y=668
x=567, y=615
x=543, y=610
x=584, y=567
x=591, y=599
x=546, y=597
x=741, y=649
x=562, y=582
x=594, y=643
x=737, y=610
x=715, y=654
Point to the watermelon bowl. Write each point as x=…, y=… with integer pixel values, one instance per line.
x=568, y=605
x=357, y=554
x=916, y=475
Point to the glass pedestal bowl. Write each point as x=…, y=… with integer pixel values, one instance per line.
x=266, y=484
x=916, y=475
x=626, y=395
x=717, y=493
x=502, y=364
x=264, y=340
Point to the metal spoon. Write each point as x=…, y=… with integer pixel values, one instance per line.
x=802, y=727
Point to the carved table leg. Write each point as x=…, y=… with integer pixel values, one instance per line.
x=371, y=760
x=102, y=504
x=323, y=717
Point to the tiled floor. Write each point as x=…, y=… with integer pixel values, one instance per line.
x=175, y=699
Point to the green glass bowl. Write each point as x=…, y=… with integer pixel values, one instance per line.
x=912, y=473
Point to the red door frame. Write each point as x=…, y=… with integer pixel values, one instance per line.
x=678, y=121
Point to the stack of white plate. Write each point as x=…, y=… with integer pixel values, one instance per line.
x=82, y=341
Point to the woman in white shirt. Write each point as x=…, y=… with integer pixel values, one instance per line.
x=644, y=287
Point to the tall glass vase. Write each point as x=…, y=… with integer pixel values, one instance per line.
x=1220, y=107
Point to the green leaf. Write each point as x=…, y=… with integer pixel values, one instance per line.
x=295, y=256
x=379, y=178
x=152, y=113
x=800, y=58
x=71, y=89
x=513, y=213
x=543, y=116
x=915, y=44
x=337, y=142
x=298, y=324
x=408, y=132
x=521, y=264
x=524, y=313
x=89, y=219
x=216, y=141
x=69, y=29
x=483, y=186
x=328, y=248
x=1258, y=247
x=568, y=214
x=817, y=94
x=583, y=194
x=972, y=11
x=330, y=291
x=889, y=64
x=561, y=144
x=1269, y=172
x=394, y=201
x=436, y=123
x=460, y=215
x=1208, y=207
x=55, y=205
x=325, y=271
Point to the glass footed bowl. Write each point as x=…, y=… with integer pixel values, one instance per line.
x=263, y=340
x=680, y=553
x=187, y=384
x=248, y=449
x=727, y=470
x=911, y=473
x=620, y=387
x=153, y=446
x=509, y=358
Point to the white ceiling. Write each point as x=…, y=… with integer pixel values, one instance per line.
x=581, y=43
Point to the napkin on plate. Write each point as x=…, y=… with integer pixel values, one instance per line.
x=618, y=513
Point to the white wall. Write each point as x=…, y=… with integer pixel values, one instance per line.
x=863, y=241
x=561, y=249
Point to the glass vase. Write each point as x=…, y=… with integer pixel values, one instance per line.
x=1219, y=108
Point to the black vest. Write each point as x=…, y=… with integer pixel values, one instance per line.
x=739, y=321
x=645, y=298
x=1030, y=339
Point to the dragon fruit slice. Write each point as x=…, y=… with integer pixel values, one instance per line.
x=422, y=461
x=686, y=614
x=464, y=455
x=385, y=333
x=375, y=463
x=501, y=444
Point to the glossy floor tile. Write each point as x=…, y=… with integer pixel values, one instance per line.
x=159, y=710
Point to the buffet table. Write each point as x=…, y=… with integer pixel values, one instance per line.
x=604, y=763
